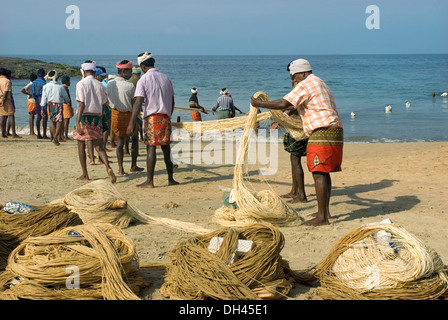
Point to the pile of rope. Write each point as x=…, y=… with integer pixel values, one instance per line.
x=15, y=228
x=265, y=205
x=85, y=262
x=196, y=273
x=381, y=261
x=100, y=202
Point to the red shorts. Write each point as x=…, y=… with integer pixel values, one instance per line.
x=324, y=151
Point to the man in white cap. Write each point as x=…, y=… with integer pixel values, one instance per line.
x=156, y=91
x=194, y=104
x=224, y=105
x=91, y=96
x=54, y=96
x=323, y=126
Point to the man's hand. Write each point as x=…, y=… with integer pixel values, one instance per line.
x=255, y=102
x=131, y=128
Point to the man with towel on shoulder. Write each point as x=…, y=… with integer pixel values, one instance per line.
x=156, y=91
x=121, y=96
x=91, y=96
x=323, y=126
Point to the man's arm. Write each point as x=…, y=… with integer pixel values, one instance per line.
x=81, y=107
x=280, y=104
x=135, y=111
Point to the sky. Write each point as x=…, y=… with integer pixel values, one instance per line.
x=225, y=27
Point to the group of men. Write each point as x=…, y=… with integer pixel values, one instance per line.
x=153, y=92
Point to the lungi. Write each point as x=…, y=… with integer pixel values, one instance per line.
x=324, y=152
x=120, y=122
x=295, y=147
x=223, y=114
x=67, y=111
x=32, y=107
x=55, y=111
x=91, y=129
x=157, y=130
x=196, y=116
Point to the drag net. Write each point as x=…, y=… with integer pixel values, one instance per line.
x=381, y=261
x=200, y=270
x=85, y=262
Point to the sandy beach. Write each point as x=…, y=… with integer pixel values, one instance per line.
x=405, y=182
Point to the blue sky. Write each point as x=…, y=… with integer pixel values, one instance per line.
x=195, y=27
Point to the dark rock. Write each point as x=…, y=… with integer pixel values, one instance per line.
x=22, y=68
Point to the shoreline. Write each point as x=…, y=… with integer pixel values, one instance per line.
x=405, y=182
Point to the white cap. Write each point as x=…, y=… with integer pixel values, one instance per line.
x=299, y=65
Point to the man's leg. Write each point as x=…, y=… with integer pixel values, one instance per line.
x=134, y=152
x=322, y=182
x=58, y=131
x=82, y=160
x=150, y=166
x=90, y=150
x=298, y=180
x=3, y=120
x=38, y=120
x=44, y=123
x=99, y=147
x=169, y=164
x=120, y=154
x=31, y=124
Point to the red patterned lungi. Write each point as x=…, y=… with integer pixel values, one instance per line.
x=157, y=130
x=324, y=151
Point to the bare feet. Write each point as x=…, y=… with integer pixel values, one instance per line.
x=297, y=199
x=45, y=137
x=83, y=177
x=316, y=222
x=16, y=136
x=112, y=176
x=121, y=173
x=288, y=195
x=137, y=169
x=56, y=142
x=146, y=184
x=172, y=183
x=315, y=215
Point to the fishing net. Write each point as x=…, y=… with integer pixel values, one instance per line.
x=381, y=261
x=252, y=207
x=43, y=220
x=100, y=202
x=85, y=262
x=229, y=264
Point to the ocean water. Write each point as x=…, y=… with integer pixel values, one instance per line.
x=363, y=84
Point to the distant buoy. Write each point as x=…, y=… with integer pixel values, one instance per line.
x=353, y=114
x=388, y=109
x=408, y=104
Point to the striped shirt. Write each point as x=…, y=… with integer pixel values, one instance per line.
x=315, y=101
x=158, y=91
x=120, y=93
x=223, y=103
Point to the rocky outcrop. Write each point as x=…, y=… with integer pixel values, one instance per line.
x=22, y=68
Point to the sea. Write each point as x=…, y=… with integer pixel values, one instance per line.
x=362, y=85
